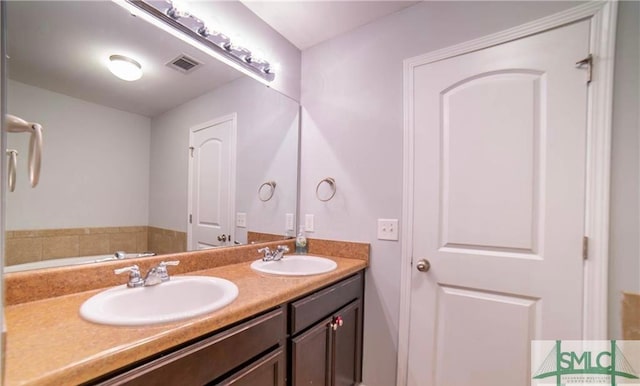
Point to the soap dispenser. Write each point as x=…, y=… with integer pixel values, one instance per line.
x=301, y=242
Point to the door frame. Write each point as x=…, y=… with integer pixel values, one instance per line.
x=233, y=117
x=600, y=94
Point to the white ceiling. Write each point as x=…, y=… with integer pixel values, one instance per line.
x=63, y=46
x=307, y=23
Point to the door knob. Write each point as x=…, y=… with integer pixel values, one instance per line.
x=223, y=238
x=423, y=265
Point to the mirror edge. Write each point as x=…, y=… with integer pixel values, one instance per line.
x=3, y=183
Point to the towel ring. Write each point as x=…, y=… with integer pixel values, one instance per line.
x=332, y=184
x=269, y=194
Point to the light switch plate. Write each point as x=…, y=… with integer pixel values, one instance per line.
x=308, y=222
x=387, y=229
x=241, y=220
x=289, y=222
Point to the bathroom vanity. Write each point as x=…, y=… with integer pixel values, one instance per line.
x=279, y=331
x=315, y=340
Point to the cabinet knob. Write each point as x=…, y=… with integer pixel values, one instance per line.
x=336, y=322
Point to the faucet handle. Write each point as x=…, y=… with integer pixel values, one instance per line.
x=132, y=269
x=282, y=248
x=134, y=275
x=266, y=251
x=162, y=269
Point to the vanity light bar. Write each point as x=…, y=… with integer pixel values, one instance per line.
x=164, y=14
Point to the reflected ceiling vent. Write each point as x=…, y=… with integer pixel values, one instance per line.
x=184, y=64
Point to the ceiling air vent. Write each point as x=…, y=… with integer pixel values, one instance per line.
x=184, y=64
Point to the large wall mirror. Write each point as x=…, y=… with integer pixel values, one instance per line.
x=177, y=160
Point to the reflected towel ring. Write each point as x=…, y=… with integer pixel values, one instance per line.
x=13, y=161
x=332, y=184
x=264, y=197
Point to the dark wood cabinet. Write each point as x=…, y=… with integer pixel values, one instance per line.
x=329, y=352
x=212, y=357
x=311, y=355
x=270, y=370
x=315, y=340
x=347, y=346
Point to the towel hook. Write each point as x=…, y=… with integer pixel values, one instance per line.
x=332, y=184
x=13, y=162
x=19, y=125
x=264, y=197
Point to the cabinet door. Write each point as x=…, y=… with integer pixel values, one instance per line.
x=347, y=343
x=311, y=356
x=267, y=371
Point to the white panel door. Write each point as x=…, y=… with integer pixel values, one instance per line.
x=211, y=190
x=499, y=198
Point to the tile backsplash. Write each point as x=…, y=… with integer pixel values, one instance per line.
x=24, y=246
x=259, y=237
x=630, y=316
x=163, y=241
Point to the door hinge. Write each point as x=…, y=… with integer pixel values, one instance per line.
x=191, y=148
x=585, y=248
x=190, y=219
x=588, y=61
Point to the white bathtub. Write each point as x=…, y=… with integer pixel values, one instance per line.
x=58, y=263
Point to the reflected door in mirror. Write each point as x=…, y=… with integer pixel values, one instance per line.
x=212, y=181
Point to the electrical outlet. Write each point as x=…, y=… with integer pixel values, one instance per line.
x=241, y=220
x=387, y=229
x=289, y=222
x=308, y=222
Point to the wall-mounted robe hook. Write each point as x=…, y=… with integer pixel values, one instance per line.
x=266, y=190
x=332, y=186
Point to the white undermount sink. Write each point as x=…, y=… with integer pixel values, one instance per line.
x=180, y=298
x=295, y=265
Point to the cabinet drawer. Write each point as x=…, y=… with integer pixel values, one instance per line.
x=206, y=360
x=310, y=309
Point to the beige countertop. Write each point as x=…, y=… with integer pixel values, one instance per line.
x=48, y=343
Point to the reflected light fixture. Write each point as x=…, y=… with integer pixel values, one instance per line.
x=124, y=67
x=169, y=16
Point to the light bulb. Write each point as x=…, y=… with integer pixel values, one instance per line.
x=125, y=68
x=274, y=68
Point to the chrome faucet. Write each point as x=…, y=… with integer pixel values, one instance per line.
x=159, y=273
x=135, y=280
x=276, y=255
x=156, y=275
x=280, y=251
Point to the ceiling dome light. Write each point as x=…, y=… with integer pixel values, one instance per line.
x=125, y=68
